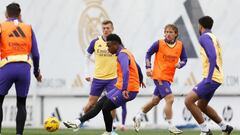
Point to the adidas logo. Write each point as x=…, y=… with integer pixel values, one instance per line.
x=17, y=33
x=77, y=82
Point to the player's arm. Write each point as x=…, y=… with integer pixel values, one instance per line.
x=142, y=84
x=89, y=52
x=207, y=44
x=35, y=58
x=183, y=59
x=124, y=63
x=153, y=49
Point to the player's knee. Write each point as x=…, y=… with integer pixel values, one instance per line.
x=187, y=102
x=106, y=108
x=21, y=102
x=92, y=102
x=202, y=107
x=91, y=105
x=155, y=101
x=88, y=107
x=169, y=99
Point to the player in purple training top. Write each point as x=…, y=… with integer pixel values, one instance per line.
x=203, y=92
x=18, y=47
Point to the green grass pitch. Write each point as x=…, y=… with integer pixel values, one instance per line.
x=10, y=131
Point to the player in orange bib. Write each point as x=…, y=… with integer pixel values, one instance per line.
x=18, y=48
x=129, y=80
x=167, y=52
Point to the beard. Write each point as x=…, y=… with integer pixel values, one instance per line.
x=170, y=41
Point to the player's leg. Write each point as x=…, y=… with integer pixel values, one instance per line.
x=108, y=110
x=89, y=115
x=114, y=116
x=110, y=85
x=21, y=114
x=6, y=81
x=93, y=107
x=95, y=110
x=193, y=96
x=168, y=108
x=124, y=116
x=166, y=93
x=147, y=107
x=95, y=92
x=92, y=100
x=22, y=84
x=114, y=103
x=1, y=111
x=153, y=102
x=210, y=112
x=108, y=119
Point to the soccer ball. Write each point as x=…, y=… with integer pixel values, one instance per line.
x=51, y=124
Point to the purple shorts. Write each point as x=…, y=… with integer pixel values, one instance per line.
x=162, y=88
x=206, y=91
x=117, y=98
x=18, y=74
x=98, y=86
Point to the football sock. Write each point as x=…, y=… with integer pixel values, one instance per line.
x=107, y=108
x=204, y=127
x=1, y=111
x=222, y=125
x=21, y=114
x=94, y=111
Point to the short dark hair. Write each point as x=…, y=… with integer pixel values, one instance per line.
x=107, y=22
x=13, y=10
x=114, y=38
x=206, y=22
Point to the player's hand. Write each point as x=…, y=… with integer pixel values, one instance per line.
x=88, y=79
x=39, y=77
x=149, y=72
x=125, y=94
x=178, y=66
x=142, y=84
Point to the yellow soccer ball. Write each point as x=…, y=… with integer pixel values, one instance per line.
x=51, y=124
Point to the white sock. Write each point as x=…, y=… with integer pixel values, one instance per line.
x=222, y=125
x=114, y=125
x=140, y=114
x=204, y=127
x=170, y=124
x=77, y=122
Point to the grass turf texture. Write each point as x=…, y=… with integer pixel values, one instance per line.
x=10, y=131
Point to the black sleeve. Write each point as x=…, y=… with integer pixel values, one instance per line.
x=140, y=73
